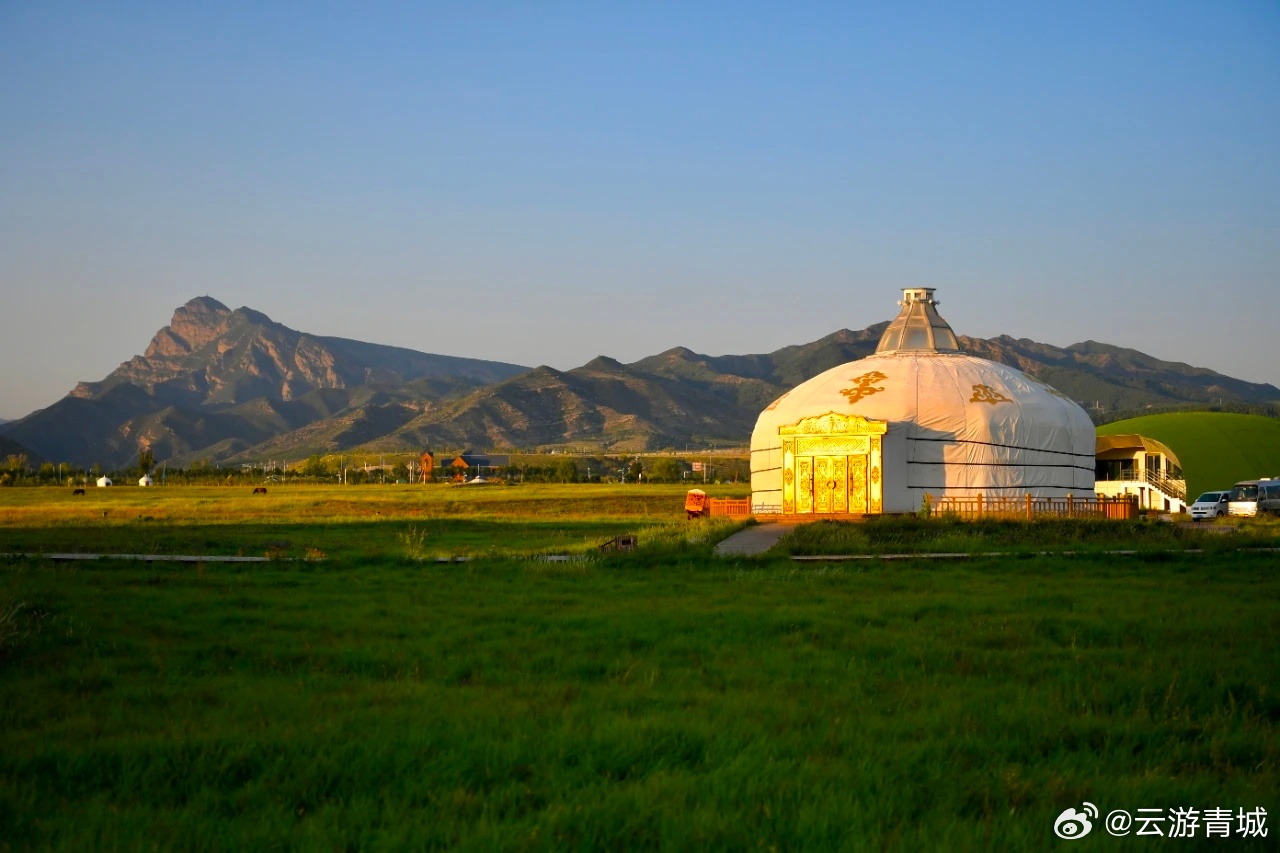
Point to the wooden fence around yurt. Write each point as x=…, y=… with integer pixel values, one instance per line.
x=734, y=507
x=979, y=506
x=1121, y=508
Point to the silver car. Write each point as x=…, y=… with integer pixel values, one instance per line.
x=1209, y=505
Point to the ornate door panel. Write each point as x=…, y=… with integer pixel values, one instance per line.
x=840, y=498
x=857, y=484
x=828, y=491
x=804, y=484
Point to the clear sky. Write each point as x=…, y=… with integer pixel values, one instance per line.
x=545, y=182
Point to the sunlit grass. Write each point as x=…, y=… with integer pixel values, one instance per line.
x=659, y=698
x=944, y=535
x=354, y=522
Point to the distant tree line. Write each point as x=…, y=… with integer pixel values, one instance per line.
x=1269, y=410
x=16, y=470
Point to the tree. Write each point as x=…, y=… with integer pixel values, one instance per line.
x=566, y=471
x=634, y=470
x=664, y=470
x=315, y=467
x=16, y=464
x=400, y=472
x=146, y=461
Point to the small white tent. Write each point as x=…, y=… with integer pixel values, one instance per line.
x=104, y=481
x=145, y=480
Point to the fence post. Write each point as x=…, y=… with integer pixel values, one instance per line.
x=1028, y=505
x=979, y=505
x=1071, y=506
x=924, y=505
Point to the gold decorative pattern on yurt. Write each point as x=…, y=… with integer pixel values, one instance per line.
x=831, y=465
x=987, y=394
x=864, y=386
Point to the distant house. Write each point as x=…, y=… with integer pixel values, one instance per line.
x=471, y=463
x=1137, y=465
x=427, y=463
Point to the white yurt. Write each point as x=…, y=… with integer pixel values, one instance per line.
x=103, y=482
x=918, y=417
x=145, y=480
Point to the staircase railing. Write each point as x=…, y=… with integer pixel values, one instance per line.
x=1172, y=488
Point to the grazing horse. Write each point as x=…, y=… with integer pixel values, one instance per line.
x=77, y=492
x=260, y=490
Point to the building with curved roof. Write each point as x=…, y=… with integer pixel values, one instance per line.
x=1143, y=467
x=918, y=417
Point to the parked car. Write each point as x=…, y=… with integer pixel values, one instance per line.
x=1209, y=505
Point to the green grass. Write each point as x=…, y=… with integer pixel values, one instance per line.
x=888, y=535
x=1216, y=449
x=357, y=522
x=657, y=699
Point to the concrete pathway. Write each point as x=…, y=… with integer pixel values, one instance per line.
x=753, y=540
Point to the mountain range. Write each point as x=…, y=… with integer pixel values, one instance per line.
x=235, y=386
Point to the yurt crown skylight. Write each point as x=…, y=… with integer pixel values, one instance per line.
x=918, y=326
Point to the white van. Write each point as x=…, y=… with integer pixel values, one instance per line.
x=1209, y=505
x=1243, y=500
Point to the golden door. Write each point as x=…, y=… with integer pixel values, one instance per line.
x=804, y=485
x=831, y=465
x=857, y=484
x=829, y=491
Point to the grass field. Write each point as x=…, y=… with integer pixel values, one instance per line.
x=1051, y=535
x=366, y=522
x=1216, y=449
x=659, y=699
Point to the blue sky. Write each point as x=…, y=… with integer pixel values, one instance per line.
x=542, y=183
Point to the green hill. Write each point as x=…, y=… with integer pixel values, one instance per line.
x=1216, y=448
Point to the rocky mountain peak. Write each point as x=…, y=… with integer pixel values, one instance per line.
x=193, y=325
x=603, y=363
x=248, y=315
x=202, y=305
